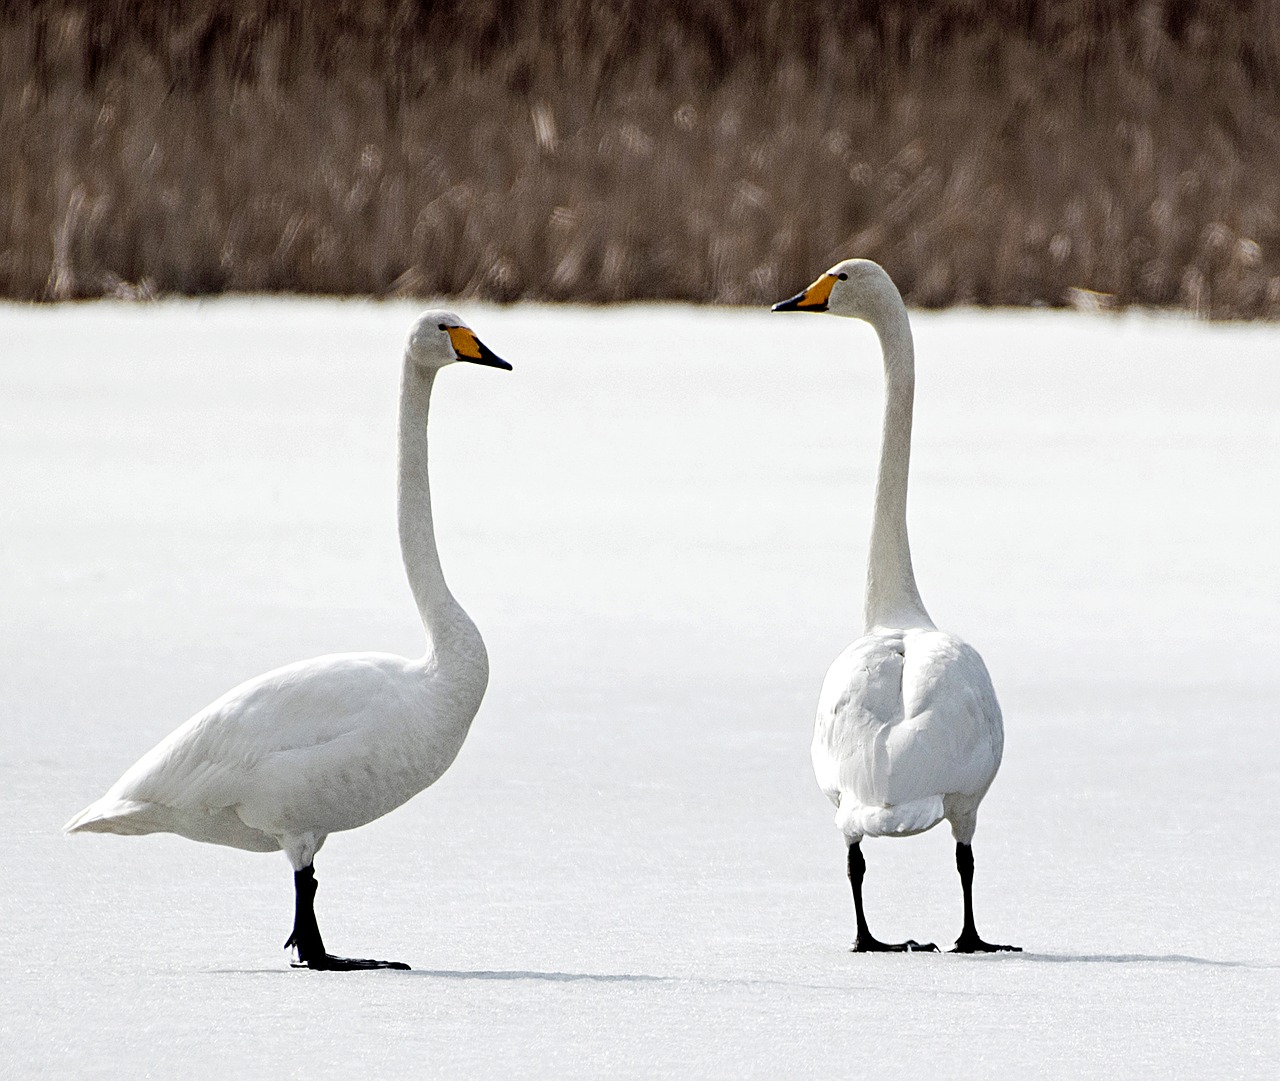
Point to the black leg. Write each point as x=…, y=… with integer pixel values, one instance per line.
x=969, y=942
x=306, y=932
x=865, y=942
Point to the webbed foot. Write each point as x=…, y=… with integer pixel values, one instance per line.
x=971, y=943
x=867, y=944
x=326, y=962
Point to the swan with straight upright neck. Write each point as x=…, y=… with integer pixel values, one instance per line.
x=908, y=730
x=329, y=744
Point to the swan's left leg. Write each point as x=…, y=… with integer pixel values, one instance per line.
x=306, y=932
x=866, y=942
x=969, y=941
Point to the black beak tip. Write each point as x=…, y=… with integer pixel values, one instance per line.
x=489, y=359
x=796, y=304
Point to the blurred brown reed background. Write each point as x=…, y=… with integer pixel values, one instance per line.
x=1083, y=152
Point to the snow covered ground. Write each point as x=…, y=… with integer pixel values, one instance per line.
x=658, y=520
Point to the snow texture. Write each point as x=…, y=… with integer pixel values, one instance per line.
x=659, y=523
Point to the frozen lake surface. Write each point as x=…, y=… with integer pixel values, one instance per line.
x=658, y=521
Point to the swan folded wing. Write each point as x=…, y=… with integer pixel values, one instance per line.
x=352, y=779
x=951, y=739
x=904, y=719
x=861, y=701
x=215, y=760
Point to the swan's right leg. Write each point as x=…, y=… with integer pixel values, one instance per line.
x=866, y=942
x=970, y=941
x=306, y=932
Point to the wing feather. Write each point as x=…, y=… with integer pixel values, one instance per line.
x=904, y=718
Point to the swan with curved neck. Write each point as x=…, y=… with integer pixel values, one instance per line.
x=908, y=730
x=329, y=744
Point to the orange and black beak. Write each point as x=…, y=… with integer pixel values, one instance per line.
x=472, y=349
x=813, y=299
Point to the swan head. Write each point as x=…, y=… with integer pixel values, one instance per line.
x=441, y=337
x=856, y=288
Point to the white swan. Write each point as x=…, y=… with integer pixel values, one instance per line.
x=332, y=743
x=908, y=729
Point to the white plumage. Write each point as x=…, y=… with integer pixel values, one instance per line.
x=295, y=754
x=908, y=730
x=908, y=733
x=332, y=743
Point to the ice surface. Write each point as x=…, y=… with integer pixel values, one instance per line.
x=658, y=520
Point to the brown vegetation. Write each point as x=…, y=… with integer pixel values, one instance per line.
x=1015, y=152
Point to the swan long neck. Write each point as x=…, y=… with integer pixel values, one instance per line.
x=442, y=616
x=893, y=601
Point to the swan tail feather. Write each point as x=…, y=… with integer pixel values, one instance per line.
x=127, y=816
x=856, y=820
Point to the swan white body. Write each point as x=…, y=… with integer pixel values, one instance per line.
x=908, y=733
x=300, y=752
x=908, y=730
x=332, y=743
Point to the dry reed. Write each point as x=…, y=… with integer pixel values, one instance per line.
x=1090, y=153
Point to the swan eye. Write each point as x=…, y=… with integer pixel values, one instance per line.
x=443, y=327
x=843, y=276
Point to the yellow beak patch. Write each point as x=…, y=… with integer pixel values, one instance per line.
x=465, y=343
x=817, y=295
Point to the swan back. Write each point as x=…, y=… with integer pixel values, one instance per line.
x=906, y=720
